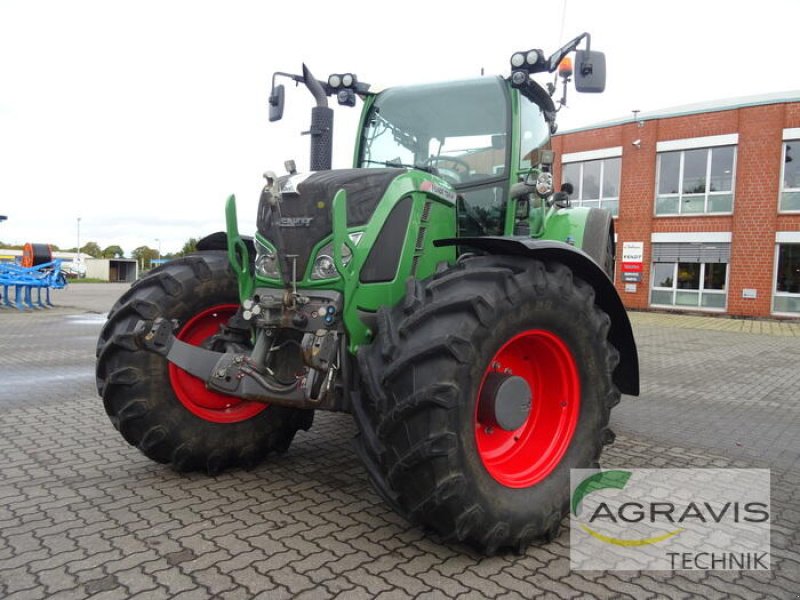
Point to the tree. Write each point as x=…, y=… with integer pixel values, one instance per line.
x=145, y=256
x=92, y=249
x=189, y=247
x=113, y=252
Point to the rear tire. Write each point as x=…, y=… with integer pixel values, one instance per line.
x=426, y=447
x=162, y=410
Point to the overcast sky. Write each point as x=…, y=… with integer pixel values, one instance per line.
x=142, y=117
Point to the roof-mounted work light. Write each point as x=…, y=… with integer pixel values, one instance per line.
x=344, y=85
x=525, y=63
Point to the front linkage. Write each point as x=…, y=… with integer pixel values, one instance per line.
x=246, y=374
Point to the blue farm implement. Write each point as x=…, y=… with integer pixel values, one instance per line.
x=20, y=284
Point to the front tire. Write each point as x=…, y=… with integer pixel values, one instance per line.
x=428, y=445
x=166, y=413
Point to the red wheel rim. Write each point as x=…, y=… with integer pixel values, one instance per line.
x=525, y=456
x=191, y=390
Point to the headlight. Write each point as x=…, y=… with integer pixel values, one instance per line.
x=324, y=266
x=266, y=261
x=544, y=184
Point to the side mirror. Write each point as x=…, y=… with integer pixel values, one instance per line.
x=590, y=71
x=276, y=100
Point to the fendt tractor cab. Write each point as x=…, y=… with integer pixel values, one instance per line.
x=441, y=291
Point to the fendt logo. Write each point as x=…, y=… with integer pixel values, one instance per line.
x=670, y=519
x=295, y=221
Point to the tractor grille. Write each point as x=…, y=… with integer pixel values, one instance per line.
x=302, y=217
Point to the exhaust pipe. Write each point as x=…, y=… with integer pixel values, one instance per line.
x=321, y=125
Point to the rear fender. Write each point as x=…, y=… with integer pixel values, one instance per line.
x=626, y=375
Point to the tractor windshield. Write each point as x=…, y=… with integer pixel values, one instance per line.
x=457, y=128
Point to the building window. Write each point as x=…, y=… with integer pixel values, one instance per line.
x=596, y=183
x=696, y=181
x=689, y=285
x=689, y=273
x=790, y=188
x=787, y=281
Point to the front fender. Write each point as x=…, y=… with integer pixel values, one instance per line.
x=626, y=375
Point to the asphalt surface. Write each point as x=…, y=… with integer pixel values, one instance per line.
x=83, y=514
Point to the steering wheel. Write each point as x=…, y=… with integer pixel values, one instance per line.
x=452, y=175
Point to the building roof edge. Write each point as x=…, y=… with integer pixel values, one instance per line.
x=696, y=108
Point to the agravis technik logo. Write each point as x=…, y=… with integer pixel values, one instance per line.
x=670, y=519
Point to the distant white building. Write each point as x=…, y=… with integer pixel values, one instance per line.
x=83, y=265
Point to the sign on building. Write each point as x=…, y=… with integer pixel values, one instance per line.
x=632, y=261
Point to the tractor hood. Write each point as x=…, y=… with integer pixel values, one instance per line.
x=301, y=216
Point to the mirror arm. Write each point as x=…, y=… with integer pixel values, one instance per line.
x=295, y=78
x=571, y=46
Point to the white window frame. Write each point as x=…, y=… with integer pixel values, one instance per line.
x=789, y=135
x=700, y=291
x=664, y=148
x=577, y=199
x=782, y=238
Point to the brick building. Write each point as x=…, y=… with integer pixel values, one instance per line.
x=711, y=195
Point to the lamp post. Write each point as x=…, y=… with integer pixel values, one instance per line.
x=78, y=251
x=158, y=240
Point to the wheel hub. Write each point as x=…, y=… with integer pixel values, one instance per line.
x=520, y=441
x=505, y=401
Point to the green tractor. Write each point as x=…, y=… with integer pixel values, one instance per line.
x=440, y=291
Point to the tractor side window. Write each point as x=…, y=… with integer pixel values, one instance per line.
x=482, y=212
x=534, y=133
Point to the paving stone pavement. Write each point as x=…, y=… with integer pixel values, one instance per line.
x=82, y=514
